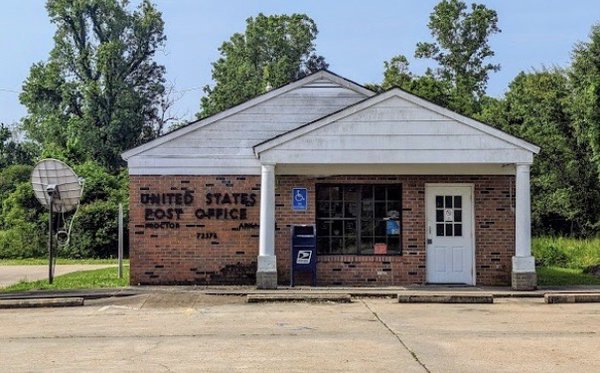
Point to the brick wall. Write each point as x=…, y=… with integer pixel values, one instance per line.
x=193, y=245
x=179, y=248
x=494, y=232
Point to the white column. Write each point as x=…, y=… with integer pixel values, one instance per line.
x=266, y=274
x=523, y=212
x=523, y=263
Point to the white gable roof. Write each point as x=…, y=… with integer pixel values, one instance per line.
x=320, y=79
x=395, y=127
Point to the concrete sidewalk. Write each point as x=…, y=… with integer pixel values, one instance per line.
x=10, y=274
x=190, y=331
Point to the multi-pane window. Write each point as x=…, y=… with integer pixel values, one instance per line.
x=448, y=216
x=359, y=219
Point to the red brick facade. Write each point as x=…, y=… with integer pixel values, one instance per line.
x=192, y=244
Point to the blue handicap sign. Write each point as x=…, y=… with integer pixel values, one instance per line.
x=299, y=199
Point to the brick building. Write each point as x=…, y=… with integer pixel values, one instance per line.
x=400, y=191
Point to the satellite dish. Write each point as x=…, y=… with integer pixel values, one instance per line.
x=58, y=188
x=54, y=179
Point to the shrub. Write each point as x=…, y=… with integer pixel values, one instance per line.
x=12, y=176
x=567, y=252
x=22, y=241
x=550, y=255
x=95, y=232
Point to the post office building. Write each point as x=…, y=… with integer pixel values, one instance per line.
x=389, y=188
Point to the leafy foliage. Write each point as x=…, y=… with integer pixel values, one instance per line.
x=13, y=152
x=461, y=49
x=397, y=74
x=565, y=189
x=273, y=51
x=100, y=85
x=585, y=85
x=566, y=252
x=95, y=232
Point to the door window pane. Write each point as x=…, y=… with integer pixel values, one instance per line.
x=458, y=216
x=439, y=215
x=458, y=202
x=439, y=202
x=448, y=202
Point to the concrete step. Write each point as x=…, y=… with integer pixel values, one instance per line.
x=444, y=297
x=572, y=298
x=311, y=298
x=41, y=302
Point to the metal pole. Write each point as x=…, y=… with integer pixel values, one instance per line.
x=120, y=253
x=50, y=240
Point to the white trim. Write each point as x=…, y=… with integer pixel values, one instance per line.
x=300, y=131
x=334, y=169
x=396, y=169
x=471, y=187
x=322, y=74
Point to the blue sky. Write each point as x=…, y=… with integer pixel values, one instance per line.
x=354, y=36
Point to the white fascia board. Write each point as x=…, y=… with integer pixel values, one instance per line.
x=322, y=74
x=300, y=131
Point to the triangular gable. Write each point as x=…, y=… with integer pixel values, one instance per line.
x=317, y=79
x=429, y=112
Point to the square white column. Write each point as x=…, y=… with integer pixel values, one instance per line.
x=523, y=264
x=266, y=274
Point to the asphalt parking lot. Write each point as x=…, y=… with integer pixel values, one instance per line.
x=197, y=332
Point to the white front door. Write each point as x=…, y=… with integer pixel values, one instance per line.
x=450, y=244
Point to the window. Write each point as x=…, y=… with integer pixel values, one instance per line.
x=448, y=216
x=359, y=219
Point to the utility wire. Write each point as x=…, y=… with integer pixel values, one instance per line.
x=8, y=90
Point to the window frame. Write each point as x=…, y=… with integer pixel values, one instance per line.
x=358, y=219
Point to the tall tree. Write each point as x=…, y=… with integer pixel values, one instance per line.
x=585, y=88
x=397, y=74
x=273, y=51
x=100, y=91
x=565, y=190
x=461, y=49
x=13, y=151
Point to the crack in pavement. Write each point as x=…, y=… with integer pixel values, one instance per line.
x=413, y=354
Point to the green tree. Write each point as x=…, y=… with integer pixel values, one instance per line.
x=461, y=49
x=585, y=88
x=273, y=51
x=100, y=91
x=565, y=191
x=12, y=151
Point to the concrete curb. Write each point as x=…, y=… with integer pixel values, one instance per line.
x=469, y=298
x=40, y=303
x=311, y=298
x=77, y=293
x=551, y=298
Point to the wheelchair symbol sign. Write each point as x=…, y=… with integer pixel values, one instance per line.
x=299, y=199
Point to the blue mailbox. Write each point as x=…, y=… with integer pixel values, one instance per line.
x=304, y=251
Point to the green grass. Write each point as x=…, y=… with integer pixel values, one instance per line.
x=563, y=260
x=567, y=252
x=556, y=276
x=100, y=278
x=44, y=261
